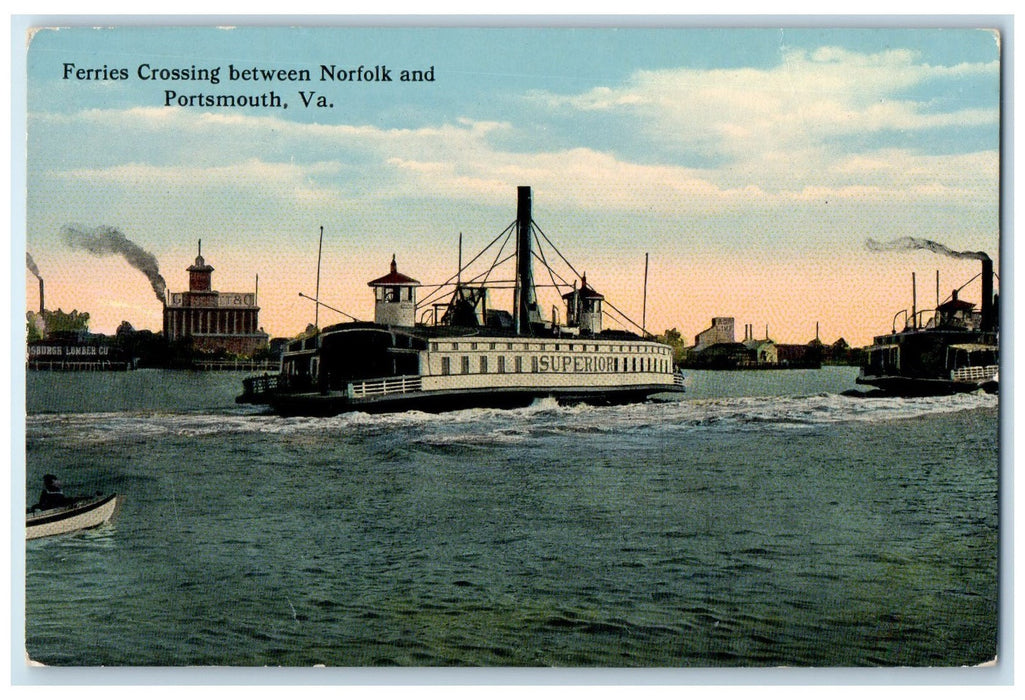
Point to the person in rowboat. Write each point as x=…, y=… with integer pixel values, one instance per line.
x=52, y=495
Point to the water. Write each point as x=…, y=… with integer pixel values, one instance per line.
x=764, y=520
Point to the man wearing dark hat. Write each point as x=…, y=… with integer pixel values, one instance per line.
x=52, y=495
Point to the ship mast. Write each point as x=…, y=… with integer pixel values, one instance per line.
x=644, y=305
x=316, y=312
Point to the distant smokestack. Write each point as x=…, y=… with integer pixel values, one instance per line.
x=42, y=305
x=107, y=240
x=988, y=308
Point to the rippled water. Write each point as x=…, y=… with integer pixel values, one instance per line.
x=763, y=520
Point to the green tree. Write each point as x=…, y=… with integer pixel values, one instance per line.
x=674, y=339
x=60, y=321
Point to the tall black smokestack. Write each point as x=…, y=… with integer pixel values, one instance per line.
x=988, y=308
x=526, y=302
x=107, y=240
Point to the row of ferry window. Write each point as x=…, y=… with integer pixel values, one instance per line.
x=578, y=347
x=634, y=364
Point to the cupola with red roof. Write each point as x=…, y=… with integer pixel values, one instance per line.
x=395, y=298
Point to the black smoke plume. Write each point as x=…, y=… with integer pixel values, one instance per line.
x=107, y=240
x=31, y=265
x=909, y=243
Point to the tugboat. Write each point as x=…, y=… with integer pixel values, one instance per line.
x=463, y=354
x=955, y=351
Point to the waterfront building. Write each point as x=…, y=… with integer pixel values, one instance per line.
x=720, y=332
x=212, y=320
x=762, y=352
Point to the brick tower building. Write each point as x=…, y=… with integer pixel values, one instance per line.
x=213, y=320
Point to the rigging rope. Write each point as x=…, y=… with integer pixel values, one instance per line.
x=478, y=255
x=539, y=254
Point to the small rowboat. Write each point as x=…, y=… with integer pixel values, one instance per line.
x=81, y=515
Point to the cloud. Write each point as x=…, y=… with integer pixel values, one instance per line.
x=809, y=98
x=459, y=161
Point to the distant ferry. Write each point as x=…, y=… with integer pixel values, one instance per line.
x=955, y=351
x=463, y=354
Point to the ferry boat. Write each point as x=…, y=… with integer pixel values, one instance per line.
x=957, y=350
x=463, y=354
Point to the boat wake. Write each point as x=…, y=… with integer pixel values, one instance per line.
x=498, y=426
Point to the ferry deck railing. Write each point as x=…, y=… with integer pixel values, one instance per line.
x=974, y=374
x=260, y=386
x=379, y=387
x=236, y=365
x=71, y=366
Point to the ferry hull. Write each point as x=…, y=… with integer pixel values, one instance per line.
x=334, y=403
x=921, y=386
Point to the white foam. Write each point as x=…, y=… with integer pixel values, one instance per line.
x=543, y=416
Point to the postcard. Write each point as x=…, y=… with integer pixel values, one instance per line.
x=468, y=346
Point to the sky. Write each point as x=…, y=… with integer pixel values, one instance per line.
x=750, y=166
